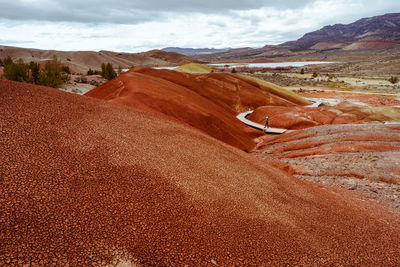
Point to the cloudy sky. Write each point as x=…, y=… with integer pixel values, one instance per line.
x=139, y=25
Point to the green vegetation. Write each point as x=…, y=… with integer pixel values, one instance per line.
x=53, y=73
x=302, y=71
x=93, y=72
x=107, y=71
x=234, y=70
x=394, y=79
x=315, y=74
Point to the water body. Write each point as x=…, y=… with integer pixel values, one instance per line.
x=272, y=65
x=164, y=68
x=257, y=65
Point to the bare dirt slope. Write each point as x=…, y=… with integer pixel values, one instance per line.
x=208, y=102
x=359, y=157
x=81, y=61
x=87, y=182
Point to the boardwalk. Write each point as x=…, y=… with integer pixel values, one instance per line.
x=242, y=118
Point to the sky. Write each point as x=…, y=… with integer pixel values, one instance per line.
x=141, y=25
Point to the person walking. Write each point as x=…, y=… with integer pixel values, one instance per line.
x=266, y=122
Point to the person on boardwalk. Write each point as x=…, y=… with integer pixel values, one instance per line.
x=266, y=123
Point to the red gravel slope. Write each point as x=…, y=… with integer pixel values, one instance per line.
x=208, y=102
x=86, y=182
x=360, y=157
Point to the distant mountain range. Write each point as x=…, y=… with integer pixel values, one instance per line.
x=194, y=51
x=380, y=28
x=367, y=34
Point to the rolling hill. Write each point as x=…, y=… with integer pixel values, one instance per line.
x=81, y=61
x=86, y=182
x=207, y=102
x=193, y=51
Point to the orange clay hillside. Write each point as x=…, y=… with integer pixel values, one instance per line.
x=84, y=182
x=304, y=117
x=208, y=102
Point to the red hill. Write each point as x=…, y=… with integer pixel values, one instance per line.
x=85, y=182
x=208, y=102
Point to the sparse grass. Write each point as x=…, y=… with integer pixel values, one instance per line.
x=277, y=90
x=194, y=68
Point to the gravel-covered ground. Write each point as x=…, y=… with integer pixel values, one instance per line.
x=364, y=158
x=85, y=182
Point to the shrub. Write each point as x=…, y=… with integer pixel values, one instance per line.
x=15, y=71
x=90, y=72
x=233, y=70
x=302, y=71
x=315, y=74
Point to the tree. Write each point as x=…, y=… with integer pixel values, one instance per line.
x=1, y=63
x=103, y=69
x=315, y=74
x=233, y=70
x=52, y=74
x=65, y=69
x=15, y=71
x=107, y=71
x=34, y=72
x=90, y=72
x=393, y=80
x=302, y=71
x=7, y=60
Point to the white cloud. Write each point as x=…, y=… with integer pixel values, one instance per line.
x=196, y=25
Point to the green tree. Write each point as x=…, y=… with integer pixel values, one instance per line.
x=107, y=71
x=7, y=60
x=52, y=74
x=90, y=72
x=15, y=71
x=302, y=71
x=315, y=74
x=65, y=69
x=233, y=70
x=393, y=80
x=34, y=69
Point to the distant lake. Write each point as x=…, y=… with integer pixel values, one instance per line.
x=164, y=68
x=272, y=65
x=258, y=65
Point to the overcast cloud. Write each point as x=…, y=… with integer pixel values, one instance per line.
x=135, y=25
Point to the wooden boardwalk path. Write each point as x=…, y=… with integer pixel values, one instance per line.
x=242, y=117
